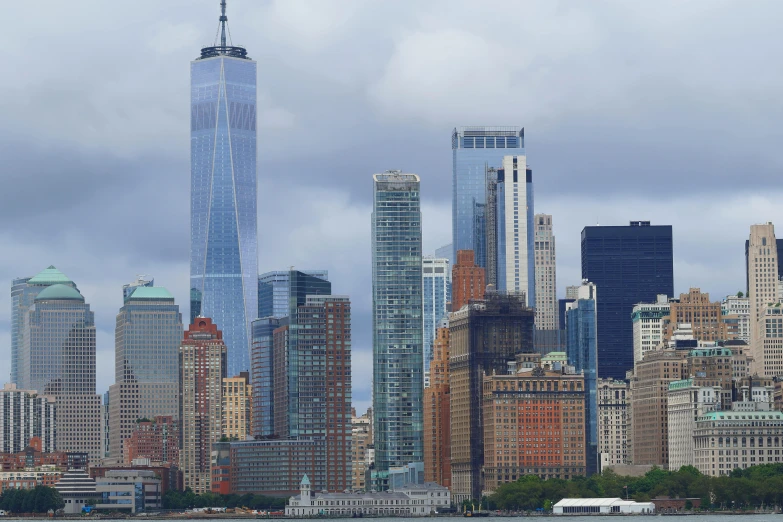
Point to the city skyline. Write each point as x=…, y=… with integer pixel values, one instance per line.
x=150, y=160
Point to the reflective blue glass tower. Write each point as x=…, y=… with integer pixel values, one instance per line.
x=582, y=352
x=223, y=232
x=473, y=150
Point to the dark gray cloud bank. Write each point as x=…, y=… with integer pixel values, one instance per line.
x=665, y=111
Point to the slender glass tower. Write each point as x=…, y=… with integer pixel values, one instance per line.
x=474, y=149
x=223, y=231
x=397, y=322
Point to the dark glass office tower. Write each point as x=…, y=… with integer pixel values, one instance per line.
x=629, y=265
x=223, y=233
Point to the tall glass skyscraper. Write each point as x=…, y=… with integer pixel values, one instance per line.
x=58, y=350
x=146, y=358
x=630, y=265
x=473, y=150
x=223, y=231
x=23, y=292
x=397, y=320
x=582, y=352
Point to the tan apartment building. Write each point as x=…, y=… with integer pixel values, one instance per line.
x=705, y=317
x=237, y=407
x=762, y=263
x=362, y=452
x=614, y=399
x=547, y=317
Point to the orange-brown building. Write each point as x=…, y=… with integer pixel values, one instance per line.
x=534, y=424
x=437, y=416
x=704, y=317
x=467, y=280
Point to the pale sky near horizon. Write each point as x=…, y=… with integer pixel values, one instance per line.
x=663, y=111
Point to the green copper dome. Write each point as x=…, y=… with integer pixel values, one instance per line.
x=151, y=292
x=59, y=292
x=50, y=276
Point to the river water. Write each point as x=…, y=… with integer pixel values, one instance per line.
x=583, y=518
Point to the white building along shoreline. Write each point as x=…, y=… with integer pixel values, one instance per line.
x=413, y=500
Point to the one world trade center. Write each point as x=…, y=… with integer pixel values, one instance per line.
x=223, y=230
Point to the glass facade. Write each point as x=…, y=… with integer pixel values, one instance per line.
x=437, y=293
x=273, y=291
x=261, y=376
x=147, y=337
x=630, y=265
x=23, y=292
x=582, y=352
x=397, y=320
x=59, y=343
x=223, y=233
x=473, y=150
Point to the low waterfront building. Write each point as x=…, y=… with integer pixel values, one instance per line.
x=170, y=476
x=409, y=501
x=130, y=491
x=589, y=506
x=29, y=479
x=76, y=488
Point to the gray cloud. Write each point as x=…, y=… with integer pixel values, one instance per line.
x=664, y=111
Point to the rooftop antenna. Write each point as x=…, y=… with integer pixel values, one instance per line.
x=223, y=20
x=225, y=47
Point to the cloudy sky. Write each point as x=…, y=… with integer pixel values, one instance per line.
x=664, y=111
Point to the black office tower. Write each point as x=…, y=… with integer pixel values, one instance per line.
x=628, y=265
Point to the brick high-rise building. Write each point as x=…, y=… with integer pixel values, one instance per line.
x=156, y=439
x=467, y=280
x=705, y=317
x=237, y=406
x=534, y=424
x=649, y=414
x=483, y=337
x=202, y=368
x=437, y=413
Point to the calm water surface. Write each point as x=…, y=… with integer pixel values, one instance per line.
x=589, y=518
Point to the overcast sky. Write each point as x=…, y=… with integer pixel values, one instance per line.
x=665, y=111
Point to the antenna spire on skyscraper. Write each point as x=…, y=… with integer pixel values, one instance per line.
x=223, y=20
x=223, y=48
